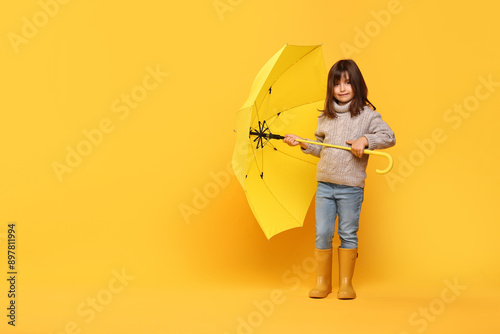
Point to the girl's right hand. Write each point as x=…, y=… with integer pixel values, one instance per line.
x=290, y=139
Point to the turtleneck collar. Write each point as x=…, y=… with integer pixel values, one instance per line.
x=341, y=109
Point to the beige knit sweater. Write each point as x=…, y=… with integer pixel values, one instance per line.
x=341, y=166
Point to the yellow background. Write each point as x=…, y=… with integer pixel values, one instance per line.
x=123, y=207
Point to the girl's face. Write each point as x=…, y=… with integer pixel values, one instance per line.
x=342, y=90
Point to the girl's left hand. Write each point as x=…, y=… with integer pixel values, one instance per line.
x=358, y=146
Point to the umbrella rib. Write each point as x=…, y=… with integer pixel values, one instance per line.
x=274, y=196
x=268, y=101
x=262, y=163
x=291, y=156
x=257, y=109
x=281, y=204
x=291, y=65
x=254, y=158
x=256, y=114
x=261, y=168
x=294, y=64
x=278, y=201
x=300, y=105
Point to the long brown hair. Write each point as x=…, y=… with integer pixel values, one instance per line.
x=359, y=89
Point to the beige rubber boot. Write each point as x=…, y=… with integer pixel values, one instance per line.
x=323, y=274
x=347, y=260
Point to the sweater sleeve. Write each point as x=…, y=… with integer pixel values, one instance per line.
x=379, y=134
x=315, y=149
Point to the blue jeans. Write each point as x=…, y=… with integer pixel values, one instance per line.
x=332, y=200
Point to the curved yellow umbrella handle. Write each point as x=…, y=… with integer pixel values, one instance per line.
x=387, y=155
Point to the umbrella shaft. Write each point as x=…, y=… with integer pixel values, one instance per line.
x=266, y=135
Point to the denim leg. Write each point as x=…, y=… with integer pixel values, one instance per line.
x=326, y=212
x=349, y=200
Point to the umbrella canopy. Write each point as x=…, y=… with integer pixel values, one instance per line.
x=279, y=180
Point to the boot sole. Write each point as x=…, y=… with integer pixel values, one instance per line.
x=346, y=297
x=319, y=294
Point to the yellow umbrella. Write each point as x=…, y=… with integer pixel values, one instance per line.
x=279, y=180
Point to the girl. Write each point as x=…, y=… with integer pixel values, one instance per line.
x=348, y=118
